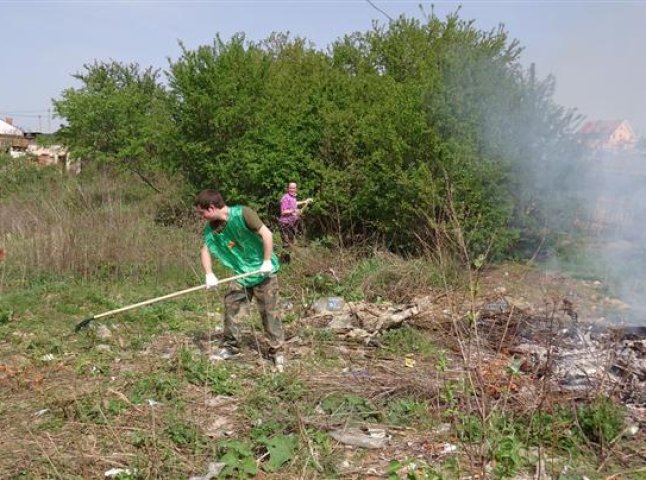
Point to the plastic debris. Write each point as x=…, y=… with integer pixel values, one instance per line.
x=113, y=472
x=374, y=439
x=103, y=332
x=409, y=362
x=214, y=469
x=279, y=363
x=221, y=426
x=218, y=401
x=328, y=304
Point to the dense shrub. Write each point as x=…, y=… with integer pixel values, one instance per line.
x=410, y=134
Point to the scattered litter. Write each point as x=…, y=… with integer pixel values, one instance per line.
x=219, y=427
x=113, y=472
x=328, y=304
x=359, y=320
x=279, y=363
x=341, y=322
x=493, y=308
x=438, y=449
x=218, y=401
x=214, y=470
x=446, y=449
x=376, y=432
x=442, y=428
x=631, y=430
x=103, y=332
x=409, y=362
x=47, y=358
x=375, y=438
x=42, y=412
x=152, y=402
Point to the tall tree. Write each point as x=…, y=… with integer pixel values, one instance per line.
x=119, y=115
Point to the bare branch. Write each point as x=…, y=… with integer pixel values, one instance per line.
x=380, y=10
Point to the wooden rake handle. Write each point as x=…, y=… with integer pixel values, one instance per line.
x=85, y=322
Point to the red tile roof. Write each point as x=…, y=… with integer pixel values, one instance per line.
x=600, y=128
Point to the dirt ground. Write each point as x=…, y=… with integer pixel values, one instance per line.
x=78, y=416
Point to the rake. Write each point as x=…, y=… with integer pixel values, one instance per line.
x=85, y=322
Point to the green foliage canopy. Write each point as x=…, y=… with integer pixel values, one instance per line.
x=119, y=116
x=406, y=133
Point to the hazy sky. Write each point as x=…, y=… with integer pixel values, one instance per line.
x=596, y=50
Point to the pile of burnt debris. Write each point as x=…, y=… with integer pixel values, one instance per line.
x=574, y=357
x=588, y=357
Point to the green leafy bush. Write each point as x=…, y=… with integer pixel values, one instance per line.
x=414, y=134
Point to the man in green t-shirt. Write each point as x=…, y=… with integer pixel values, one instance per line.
x=237, y=237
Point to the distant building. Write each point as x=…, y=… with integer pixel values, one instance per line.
x=607, y=135
x=7, y=128
x=54, y=155
x=12, y=139
x=19, y=144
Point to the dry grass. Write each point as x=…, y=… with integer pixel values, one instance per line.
x=103, y=226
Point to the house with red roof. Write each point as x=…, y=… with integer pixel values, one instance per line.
x=607, y=135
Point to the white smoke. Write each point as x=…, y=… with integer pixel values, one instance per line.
x=614, y=191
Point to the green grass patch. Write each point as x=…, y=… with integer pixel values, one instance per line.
x=406, y=341
x=159, y=387
x=98, y=409
x=346, y=406
x=408, y=411
x=200, y=371
x=185, y=435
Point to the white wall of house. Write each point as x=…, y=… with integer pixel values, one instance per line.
x=8, y=129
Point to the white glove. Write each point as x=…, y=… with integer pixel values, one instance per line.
x=266, y=267
x=308, y=201
x=211, y=280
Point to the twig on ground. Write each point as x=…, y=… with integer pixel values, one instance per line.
x=310, y=447
x=42, y=450
x=620, y=474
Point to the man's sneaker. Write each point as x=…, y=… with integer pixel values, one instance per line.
x=225, y=353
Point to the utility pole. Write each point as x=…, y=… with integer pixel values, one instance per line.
x=49, y=120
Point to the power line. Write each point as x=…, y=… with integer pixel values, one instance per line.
x=380, y=10
x=25, y=112
x=22, y=115
x=31, y=116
